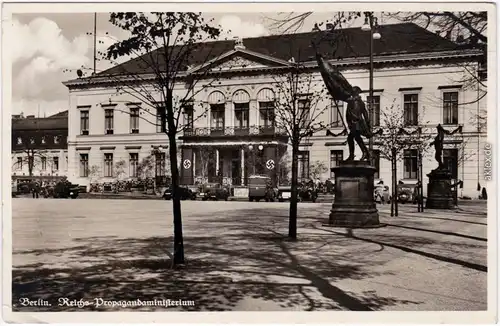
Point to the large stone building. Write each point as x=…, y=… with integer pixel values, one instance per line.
x=39, y=147
x=230, y=130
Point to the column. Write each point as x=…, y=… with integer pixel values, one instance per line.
x=242, y=167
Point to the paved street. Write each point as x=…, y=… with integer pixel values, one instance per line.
x=238, y=257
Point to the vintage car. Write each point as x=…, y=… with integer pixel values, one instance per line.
x=260, y=187
x=214, y=191
x=306, y=192
x=65, y=189
x=407, y=193
x=186, y=193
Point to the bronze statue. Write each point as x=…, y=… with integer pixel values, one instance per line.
x=358, y=121
x=438, y=144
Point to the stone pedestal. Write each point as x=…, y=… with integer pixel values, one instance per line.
x=439, y=194
x=354, y=205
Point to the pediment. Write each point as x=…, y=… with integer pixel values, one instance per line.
x=242, y=60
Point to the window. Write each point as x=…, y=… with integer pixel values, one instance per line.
x=241, y=111
x=159, y=119
x=266, y=113
x=160, y=164
x=375, y=118
x=450, y=108
x=57, y=139
x=188, y=117
x=84, y=165
x=335, y=158
x=133, y=163
x=410, y=109
x=335, y=118
x=108, y=165
x=134, y=120
x=32, y=140
x=43, y=139
x=303, y=113
x=108, y=121
x=375, y=162
x=303, y=168
x=217, y=112
x=19, y=140
x=450, y=161
x=44, y=163
x=55, y=163
x=410, y=164
x=84, y=122
x=20, y=163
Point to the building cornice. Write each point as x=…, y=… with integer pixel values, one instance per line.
x=404, y=58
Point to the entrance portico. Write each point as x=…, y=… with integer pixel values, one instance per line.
x=230, y=163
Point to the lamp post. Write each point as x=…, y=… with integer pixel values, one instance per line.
x=371, y=25
x=260, y=149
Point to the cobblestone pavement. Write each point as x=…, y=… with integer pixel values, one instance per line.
x=238, y=257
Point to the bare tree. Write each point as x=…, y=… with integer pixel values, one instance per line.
x=166, y=50
x=317, y=169
x=398, y=134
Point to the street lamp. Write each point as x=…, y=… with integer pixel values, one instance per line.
x=371, y=25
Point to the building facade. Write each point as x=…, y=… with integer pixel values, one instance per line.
x=229, y=132
x=39, y=147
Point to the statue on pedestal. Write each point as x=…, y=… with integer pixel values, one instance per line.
x=438, y=144
x=358, y=121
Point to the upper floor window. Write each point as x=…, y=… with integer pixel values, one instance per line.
x=188, y=111
x=57, y=139
x=19, y=141
x=375, y=118
x=266, y=114
x=20, y=163
x=217, y=112
x=241, y=101
x=134, y=120
x=303, y=113
x=335, y=116
x=84, y=122
x=43, y=140
x=108, y=121
x=160, y=119
x=32, y=140
x=410, y=109
x=450, y=108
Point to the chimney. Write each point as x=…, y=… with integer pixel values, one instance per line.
x=30, y=117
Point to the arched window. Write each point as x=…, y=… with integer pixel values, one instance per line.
x=266, y=107
x=241, y=101
x=217, y=101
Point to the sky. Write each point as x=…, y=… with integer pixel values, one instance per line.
x=38, y=69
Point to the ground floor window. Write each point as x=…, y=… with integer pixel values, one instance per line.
x=84, y=165
x=410, y=164
x=450, y=161
x=133, y=164
x=108, y=165
x=303, y=162
x=336, y=156
x=55, y=163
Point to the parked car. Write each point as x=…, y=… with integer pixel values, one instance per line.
x=65, y=189
x=407, y=193
x=260, y=187
x=185, y=193
x=214, y=191
x=382, y=194
x=284, y=193
x=308, y=192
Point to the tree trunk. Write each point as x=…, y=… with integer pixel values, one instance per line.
x=176, y=200
x=31, y=163
x=395, y=176
x=394, y=185
x=292, y=226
